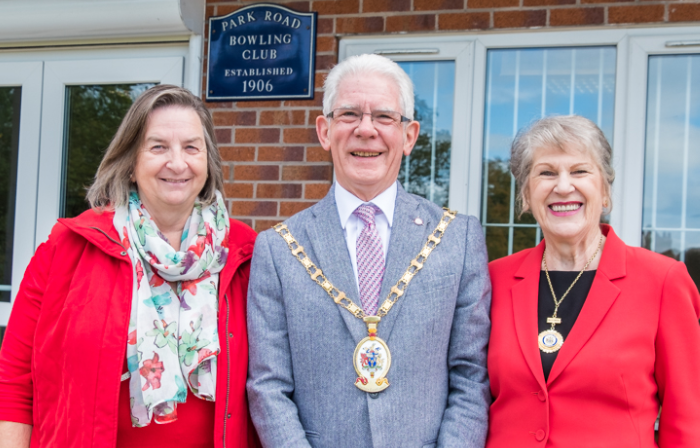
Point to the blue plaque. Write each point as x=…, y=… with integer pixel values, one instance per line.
x=261, y=52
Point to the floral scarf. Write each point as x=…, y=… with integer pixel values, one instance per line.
x=173, y=338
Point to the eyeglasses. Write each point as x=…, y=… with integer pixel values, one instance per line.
x=354, y=116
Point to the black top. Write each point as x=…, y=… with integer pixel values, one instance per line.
x=568, y=311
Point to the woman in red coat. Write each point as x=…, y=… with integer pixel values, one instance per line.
x=589, y=336
x=129, y=327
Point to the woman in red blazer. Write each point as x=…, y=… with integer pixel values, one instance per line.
x=591, y=367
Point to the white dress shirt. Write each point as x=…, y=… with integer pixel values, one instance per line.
x=347, y=202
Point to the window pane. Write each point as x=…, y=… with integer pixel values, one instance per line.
x=93, y=116
x=527, y=84
x=525, y=237
x=671, y=215
x=426, y=171
x=10, y=98
x=496, y=241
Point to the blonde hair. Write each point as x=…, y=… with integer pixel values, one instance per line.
x=113, y=178
x=560, y=131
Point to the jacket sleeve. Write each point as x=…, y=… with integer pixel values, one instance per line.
x=465, y=421
x=678, y=360
x=270, y=378
x=16, y=387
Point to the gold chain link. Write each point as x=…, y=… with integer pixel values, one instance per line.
x=551, y=288
x=397, y=290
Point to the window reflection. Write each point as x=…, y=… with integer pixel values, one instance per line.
x=10, y=98
x=524, y=85
x=671, y=216
x=93, y=116
x=426, y=172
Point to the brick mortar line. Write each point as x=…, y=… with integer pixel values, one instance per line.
x=224, y=3
x=269, y=126
x=238, y=109
x=300, y=200
x=279, y=182
x=502, y=9
x=600, y=5
x=388, y=14
x=295, y=109
x=295, y=163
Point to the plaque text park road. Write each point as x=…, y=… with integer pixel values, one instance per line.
x=261, y=52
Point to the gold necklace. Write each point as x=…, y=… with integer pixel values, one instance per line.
x=551, y=340
x=372, y=357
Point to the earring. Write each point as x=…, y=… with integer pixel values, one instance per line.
x=605, y=203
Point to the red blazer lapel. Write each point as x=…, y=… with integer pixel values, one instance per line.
x=524, y=295
x=601, y=297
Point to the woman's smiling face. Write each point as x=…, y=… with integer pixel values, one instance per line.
x=565, y=192
x=171, y=167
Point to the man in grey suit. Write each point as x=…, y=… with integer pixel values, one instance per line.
x=407, y=371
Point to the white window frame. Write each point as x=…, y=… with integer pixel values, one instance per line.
x=28, y=76
x=43, y=76
x=55, y=37
x=640, y=48
x=57, y=76
x=634, y=45
x=440, y=48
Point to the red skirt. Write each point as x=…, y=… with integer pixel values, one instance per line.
x=194, y=427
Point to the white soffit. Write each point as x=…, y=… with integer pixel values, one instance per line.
x=45, y=21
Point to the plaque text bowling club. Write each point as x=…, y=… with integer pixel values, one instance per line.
x=261, y=52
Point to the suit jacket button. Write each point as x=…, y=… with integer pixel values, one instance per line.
x=375, y=395
x=539, y=435
x=542, y=396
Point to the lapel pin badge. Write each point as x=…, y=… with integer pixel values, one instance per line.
x=418, y=221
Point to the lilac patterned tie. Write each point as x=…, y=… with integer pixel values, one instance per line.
x=370, y=259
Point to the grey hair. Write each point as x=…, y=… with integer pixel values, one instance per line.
x=113, y=178
x=563, y=132
x=369, y=64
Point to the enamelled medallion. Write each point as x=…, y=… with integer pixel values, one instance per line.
x=372, y=359
x=550, y=341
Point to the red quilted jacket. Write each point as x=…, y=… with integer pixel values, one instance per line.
x=62, y=357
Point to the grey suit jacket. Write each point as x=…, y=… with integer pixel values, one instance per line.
x=301, y=376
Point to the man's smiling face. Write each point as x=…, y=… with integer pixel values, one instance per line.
x=367, y=155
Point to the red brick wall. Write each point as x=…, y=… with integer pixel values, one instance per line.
x=275, y=166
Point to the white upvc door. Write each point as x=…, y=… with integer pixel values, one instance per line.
x=58, y=76
x=46, y=79
x=28, y=77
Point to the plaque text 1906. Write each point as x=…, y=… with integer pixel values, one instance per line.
x=262, y=51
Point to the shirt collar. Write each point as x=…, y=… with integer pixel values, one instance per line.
x=348, y=202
